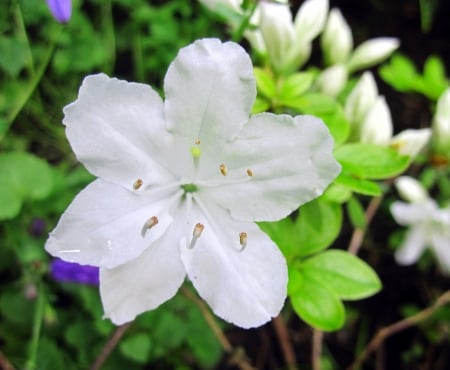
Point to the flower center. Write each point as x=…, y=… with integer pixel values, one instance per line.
x=189, y=188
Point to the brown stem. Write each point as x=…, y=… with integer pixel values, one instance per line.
x=358, y=234
x=4, y=363
x=237, y=357
x=316, y=353
x=109, y=346
x=398, y=326
x=285, y=342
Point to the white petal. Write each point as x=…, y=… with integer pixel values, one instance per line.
x=310, y=19
x=102, y=227
x=336, y=39
x=246, y=288
x=361, y=99
x=278, y=31
x=410, y=189
x=116, y=129
x=413, y=213
x=291, y=160
x=411, y=142
x=377, y=126
x=210, y=90
x=145, y=282
x=441, y=248
x=372, y=52
x=412, y=248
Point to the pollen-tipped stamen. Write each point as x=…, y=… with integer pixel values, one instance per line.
x=249, y=172
x=243, y=240
x=137, y=184
x=223, y=169
x=152, y=221
x=198, y=229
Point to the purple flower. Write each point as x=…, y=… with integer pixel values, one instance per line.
x=74, y=272
x=61, y=9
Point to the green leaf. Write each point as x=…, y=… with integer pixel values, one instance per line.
x=13, y=55
x=260, y=105
x=314, y=302
x=346, y=275
x=24, y=176
x=313, y=103
x=400, y=73
x=369, y=161
x=357, y=185
x=337, y=193
x=317, y=226
x=136, y=348
x=337, y=123
x=434, y=77
x=356, y=213
x=295, y=85
x=265, y=83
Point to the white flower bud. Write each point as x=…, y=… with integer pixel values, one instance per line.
x=377, y=126
x=410, y=189
x=411, y=142
x=441, y=125
x=336, y=40
x=310, y=19
x=361, y=99
x=372, y=52
x=332, y=80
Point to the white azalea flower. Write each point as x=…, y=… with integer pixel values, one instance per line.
x=181, y=182
x=429, y=225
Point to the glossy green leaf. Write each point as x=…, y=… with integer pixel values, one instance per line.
x=400, y=73
x=356, y=213
x=314, y=302
x=295, y=85
x=357, y=185
x=346, y=275
x=265, y=83
x=368, y=161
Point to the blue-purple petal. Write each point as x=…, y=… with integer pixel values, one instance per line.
x=74, y=272
x=61, y=9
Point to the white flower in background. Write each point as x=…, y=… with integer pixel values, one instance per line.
x=441, y=125
x=332, y=80
x=371, y=122
x=288, y=41
x=181, y=182
x=337, y=47
x=429, y=225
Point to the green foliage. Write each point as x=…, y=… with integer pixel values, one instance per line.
x=402, y=74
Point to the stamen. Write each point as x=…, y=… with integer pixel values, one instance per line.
x=243, y=240
x=198, y=229
x=152, y=221
x=249, y=172
x=137, y=184
x=196, y=152
x=223, y=169
x=197, y=142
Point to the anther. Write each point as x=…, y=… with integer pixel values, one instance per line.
x=198, y=229
x=197, y=142
x=223, y=169
x=249, y=172
x=137, y=184
x=243, y=240
x=152, y=221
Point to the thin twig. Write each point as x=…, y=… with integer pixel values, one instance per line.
x=316, y=353
x=398, y=326
x=109, y=346
x=4, y=363
x=237, y=357
x=358, y=234
x=285, y=342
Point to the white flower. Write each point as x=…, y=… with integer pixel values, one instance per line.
x=441, y=125
x=372, y=52
x=429, y=226
x=288, y=41
x=371, y=122
x=410, y=189
x=181, y=182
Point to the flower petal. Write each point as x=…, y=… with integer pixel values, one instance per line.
x=117, y=129
x=412, y=247
x=61, y=9
x=290, y=160
x=246, y=288
x=210, y=90
x=103, y=225
x=440, y=246
x=145, y=282
x=407, y=214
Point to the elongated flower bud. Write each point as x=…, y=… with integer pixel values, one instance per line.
x=372, y=52
x=61, y=9
x=337, y=39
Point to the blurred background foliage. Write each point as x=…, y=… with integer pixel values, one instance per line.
x=48, y=325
